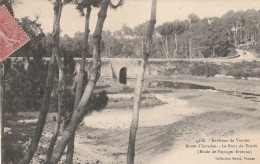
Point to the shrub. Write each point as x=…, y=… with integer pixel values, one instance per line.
x=169, y=72
x=98, y=101
x=24, y=85
x=239, y=73
x=178, y=67
x=204, y=69
x=11, y=153
x=244, y=69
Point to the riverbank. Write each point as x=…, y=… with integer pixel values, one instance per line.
x=218, y=115
x=175, y=118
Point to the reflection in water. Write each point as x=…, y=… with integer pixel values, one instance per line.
x=177, y=85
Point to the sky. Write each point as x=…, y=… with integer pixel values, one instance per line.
x=132, y=13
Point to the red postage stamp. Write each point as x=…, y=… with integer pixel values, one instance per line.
x=12, y=37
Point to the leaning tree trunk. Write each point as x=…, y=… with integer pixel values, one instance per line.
x=94, y=76
x=60, y=96
x=47, y=91
x=139, y=85
x=70, y=149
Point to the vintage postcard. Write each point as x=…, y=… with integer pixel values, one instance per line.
x=130, y=81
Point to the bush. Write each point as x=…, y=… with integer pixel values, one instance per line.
x=24, y=85
x=244, y=69
x=177, y=67
x=169, y=72
x=11, y=153
x=204, y=69
x=98, y=101
x=239, y=73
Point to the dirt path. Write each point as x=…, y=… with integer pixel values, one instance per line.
x=245, y=55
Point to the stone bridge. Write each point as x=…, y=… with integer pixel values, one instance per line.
x=115, y=68
x=127, y=68
x=122, y=69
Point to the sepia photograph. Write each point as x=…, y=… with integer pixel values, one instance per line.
x=130, y=81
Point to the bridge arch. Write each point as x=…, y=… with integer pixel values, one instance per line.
x=123, y=75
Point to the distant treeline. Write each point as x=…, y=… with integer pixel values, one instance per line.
x=190, y=38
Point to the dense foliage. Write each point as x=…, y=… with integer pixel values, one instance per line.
x=193, y=37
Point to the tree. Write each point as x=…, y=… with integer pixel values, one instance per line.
x=80, y=6
x=118, y=34
x=84, y=4
x=127, y=31
x=138, y=90
x=109, y=41
x=251, y=25
x=193, y=19
x=140, y=30
x=166, y=31
x=178, y=29
x=48, y=87
x=93, y=77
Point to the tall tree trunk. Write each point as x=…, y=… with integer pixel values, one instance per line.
x=166, y=46
x=164, y=49
x=60, y=105
x=253, y=38
x=9, y=6
x=139, y=85
x=186, y=52
x=94, y=76
x=2, y=108
x=70, y=149
x=235, y=38
x=241, y=35
x=213, y=52
x=43, y=113
x=48, y=88
x=236, y=35
x=190, y=48
x=60, y=95
x=176, y=45
x=142, y=52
